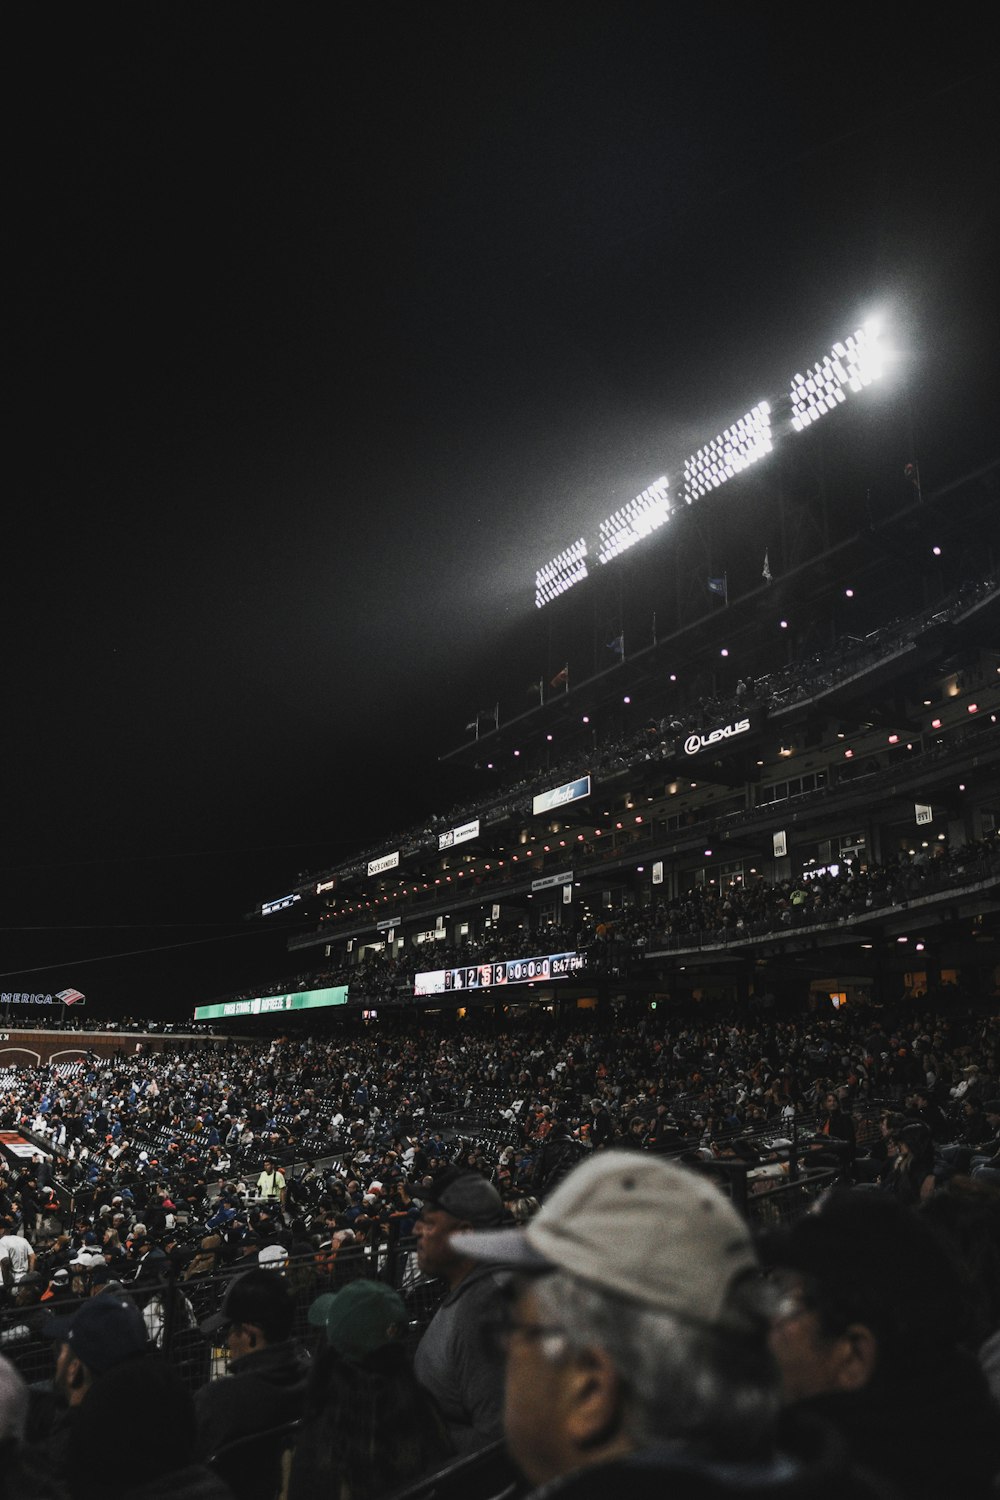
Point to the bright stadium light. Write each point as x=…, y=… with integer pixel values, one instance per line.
x=639, y=518
x=565, y=569
x=729, y=454
x=849, y=366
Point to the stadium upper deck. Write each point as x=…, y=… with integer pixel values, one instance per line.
x=838, y=716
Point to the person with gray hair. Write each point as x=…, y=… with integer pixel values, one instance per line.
x=636, y=1337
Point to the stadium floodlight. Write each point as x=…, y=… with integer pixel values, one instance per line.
x=729, y=454
x=636, y=520
x=850, y=366
x=565, y=569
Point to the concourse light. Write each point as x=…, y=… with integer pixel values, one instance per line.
x=724, y=652
x=848, y=593
x=636, y=520
x=565, y=569
x=936, y=551
x=850, y=366
x=727, y=455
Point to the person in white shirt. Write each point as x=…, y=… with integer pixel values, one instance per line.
x=17, y=1257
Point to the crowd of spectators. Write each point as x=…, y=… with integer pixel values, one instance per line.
x=255, y=1160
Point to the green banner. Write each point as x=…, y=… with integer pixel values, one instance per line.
x=265, y=1005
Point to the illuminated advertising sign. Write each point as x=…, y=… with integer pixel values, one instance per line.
x=386, y=862
x=265, y=1005
x=547, y=880
x=460, y=835
x=280, y=905
x=509, y=971
x=571, y=791
x=714, y=739
x=23, y=997
x=386, y=923
x=325, y=885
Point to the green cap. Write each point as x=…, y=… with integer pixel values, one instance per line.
x=360, y=1318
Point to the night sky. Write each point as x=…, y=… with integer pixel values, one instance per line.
x=320, y=339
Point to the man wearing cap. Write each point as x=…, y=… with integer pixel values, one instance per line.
x=267, y=1373
x=637, y=1344
x=103, y=1333
x=463, y=1376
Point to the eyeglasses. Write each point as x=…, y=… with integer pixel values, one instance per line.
x=791, y=1297
x=498, y=1334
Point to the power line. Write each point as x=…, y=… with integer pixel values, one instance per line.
x=101, y=958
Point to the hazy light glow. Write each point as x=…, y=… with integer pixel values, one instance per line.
x=565, y=569
x=850, y=366
x=727, y=455
x=636, y=520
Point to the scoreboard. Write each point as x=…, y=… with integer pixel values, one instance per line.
x=486, y=976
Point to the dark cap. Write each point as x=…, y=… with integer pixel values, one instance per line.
x=102, y=1333
x=259, y=1298
x=465, y=1195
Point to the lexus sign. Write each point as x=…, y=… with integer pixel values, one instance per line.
x=695, y=744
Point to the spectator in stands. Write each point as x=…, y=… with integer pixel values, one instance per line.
x=22, y=1475
x=912, y=1177
x=105, y=1332
x=271, y=1183
x=986, y=1162
x=838, y=1123
x=142, y=1418
x=17, y=1258
x=465, y=1381
x=558, y=1154
x=265, y=1382
x=602, y=1131
x=370, y=1427
x=637, y=1344
x=867, y=1336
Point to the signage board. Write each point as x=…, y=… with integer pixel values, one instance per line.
x=460, y=835
x=280, y=904
x=544, y=881
x=559, y=796
x=718, y=738
x=265, y=1005
x=383, y=863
